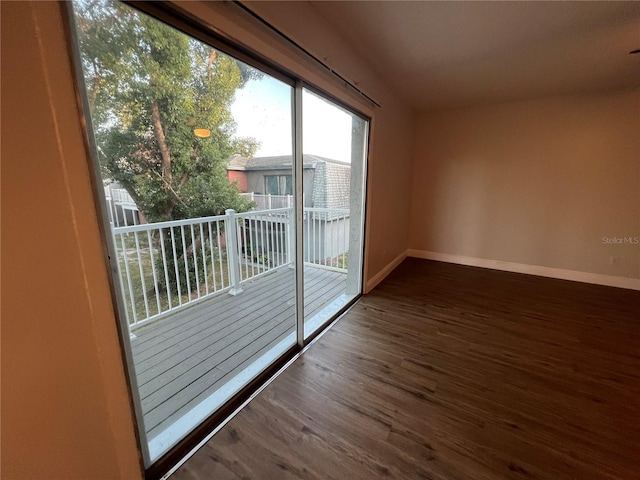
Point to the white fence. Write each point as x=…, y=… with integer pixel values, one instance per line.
x=121, y=206
x=326, y=237
x=268, y=202
x=168, y=265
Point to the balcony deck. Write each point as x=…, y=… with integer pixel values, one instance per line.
x=185, y=357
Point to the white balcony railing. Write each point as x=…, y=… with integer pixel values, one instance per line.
x=168, y=265
x=268, y=201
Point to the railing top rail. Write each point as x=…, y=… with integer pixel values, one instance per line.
x=172, y=223
x=327, y=210
x=253, y=213
x=248, y=194
x=217, y=218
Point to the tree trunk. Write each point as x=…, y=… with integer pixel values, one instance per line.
x=93, y=94
x=162, y=142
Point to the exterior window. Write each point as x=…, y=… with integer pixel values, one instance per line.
x=278, y=184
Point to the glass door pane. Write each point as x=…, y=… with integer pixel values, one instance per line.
x=334, y=156
x=195, y=152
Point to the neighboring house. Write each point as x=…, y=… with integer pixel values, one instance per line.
x=325, y=185
x=325, y=181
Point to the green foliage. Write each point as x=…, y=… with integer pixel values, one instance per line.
x=149, y=86
x=246, y=147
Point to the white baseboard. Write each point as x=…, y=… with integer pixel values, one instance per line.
x=381, y=275
x=585, y=277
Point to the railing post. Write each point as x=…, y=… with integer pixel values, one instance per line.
x=269, y=202
x=290, y=229
x=233, y=251
x=110, y=208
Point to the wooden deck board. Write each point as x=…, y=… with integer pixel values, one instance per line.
x=213, y=338
x=191, y=314
x=185, y=357
x=200, y=389
x=316, y=300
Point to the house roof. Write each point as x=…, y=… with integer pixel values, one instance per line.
x=278, y=162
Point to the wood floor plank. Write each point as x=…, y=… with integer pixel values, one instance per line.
x=451, y=372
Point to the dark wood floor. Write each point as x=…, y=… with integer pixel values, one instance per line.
x=451, y=372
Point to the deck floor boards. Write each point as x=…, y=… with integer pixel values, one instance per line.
x=184, y=357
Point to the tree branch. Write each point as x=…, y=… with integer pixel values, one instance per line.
x=194, y=160
x=170, y=188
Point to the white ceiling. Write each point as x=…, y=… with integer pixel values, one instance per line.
x=453, y=54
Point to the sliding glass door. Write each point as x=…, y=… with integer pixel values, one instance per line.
x=234, y=224
x=334, y=153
